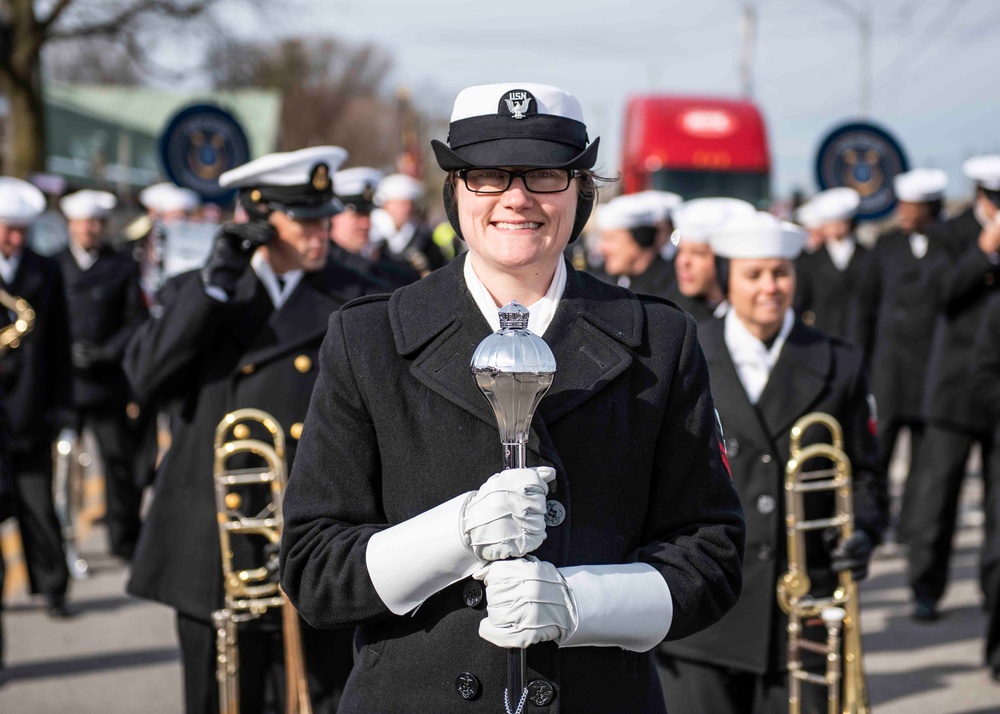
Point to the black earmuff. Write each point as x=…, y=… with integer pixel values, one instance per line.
x=722, y=274
x=645, y=236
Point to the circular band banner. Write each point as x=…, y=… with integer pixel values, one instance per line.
x=865, y=157
x=200, y=143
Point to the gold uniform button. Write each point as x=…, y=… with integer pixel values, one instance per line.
x=296, y=430
x=809, y=317
x=248, y=368
x=303, y=363
x=989, y=279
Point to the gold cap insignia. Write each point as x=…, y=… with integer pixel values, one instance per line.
x=321, y=177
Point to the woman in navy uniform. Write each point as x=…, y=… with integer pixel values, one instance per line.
x=632, y=236
x=628, y=513
x=767, y=370
x=243, y=332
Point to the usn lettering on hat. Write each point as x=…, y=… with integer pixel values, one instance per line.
x=516, y=124
x=20, y=202
x=920, y=185
x=87, y=204
x=758, y=235
x=298, y=183
x=696, y=220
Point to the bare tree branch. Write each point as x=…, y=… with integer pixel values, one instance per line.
x=127, y=15
x=57, y=10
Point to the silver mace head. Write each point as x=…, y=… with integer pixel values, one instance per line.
x=513, y=368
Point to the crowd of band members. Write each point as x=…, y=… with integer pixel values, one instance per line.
x=918, y=311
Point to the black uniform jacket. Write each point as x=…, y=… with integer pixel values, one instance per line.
x=656, y=280
x=986, y=362
x=36, y=375
x=202, y=359
x=813, y=373
x=394, y=273
x=696, y=307
x=398, y=426
x=965, y=290
x=105, y=308
x=904, y=290
x=830, y=299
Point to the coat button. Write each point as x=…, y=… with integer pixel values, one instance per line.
x=989, y=278
x=303, y=363
x=467, y=686
x=765, y=458
x=555, y=513
x=809, y=317
x=541, y=693
x=472, y=593
x=732, y=448
x=764, y=552
x=248, y=368
x=295, y=430
x=766, y=504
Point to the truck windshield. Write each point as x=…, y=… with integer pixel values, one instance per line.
x=749, y=186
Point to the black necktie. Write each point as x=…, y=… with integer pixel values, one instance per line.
x=281, y=283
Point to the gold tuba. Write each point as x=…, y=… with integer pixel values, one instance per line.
x=24, y=321
x=250, y=592
x=845, y=680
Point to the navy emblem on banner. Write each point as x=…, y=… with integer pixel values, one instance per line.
x=864, y=157
x=200, y=143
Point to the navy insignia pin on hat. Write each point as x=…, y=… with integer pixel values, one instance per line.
x=516, y=124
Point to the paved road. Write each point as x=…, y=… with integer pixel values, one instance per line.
x=119, y=656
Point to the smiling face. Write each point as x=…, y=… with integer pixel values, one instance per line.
x=760, y=293
x=517, y=231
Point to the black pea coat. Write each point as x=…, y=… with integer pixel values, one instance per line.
x=656, y=280
x=696, y=307
x=398, y=426
x=830, y=299
x=985, y=382
x=105, y=308
x=813, y=373
x=36, y=375
x=392, y=272
x=423, y=244
x=904, y=290
x=966, y=287
x=202, y=359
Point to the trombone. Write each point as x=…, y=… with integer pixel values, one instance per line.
x=24, y=321
x=251, y=592
x=847, y=690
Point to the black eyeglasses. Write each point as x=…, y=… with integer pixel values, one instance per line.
x=499, y=180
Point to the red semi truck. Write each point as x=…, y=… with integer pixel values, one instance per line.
x=696, y=147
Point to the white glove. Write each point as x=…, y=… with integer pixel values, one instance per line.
x=528, y=602
x=506, y=517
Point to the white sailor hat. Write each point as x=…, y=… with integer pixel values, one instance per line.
x=87, y=204
x=399, y=187
x=920, y=185
x=516, y=124
x=695, y=220
x=984, y=170
x=663, y=202
x=835, y=204
x=632, y=210
x=758, y=235
x=356, y=186
x=806, y=216
x=167, y=198
x=20, y=202
x=299, y=183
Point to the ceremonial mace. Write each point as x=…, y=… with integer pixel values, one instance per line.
x=514, y=368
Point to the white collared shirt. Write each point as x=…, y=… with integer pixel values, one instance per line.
x=398, y=241
x=85, y=259
x=9, y=266
x=753, y=360
x=279, y=296
x=540, y=314
x=841, y=251
x=918, y=245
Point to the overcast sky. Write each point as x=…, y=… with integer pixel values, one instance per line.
x=935, y=82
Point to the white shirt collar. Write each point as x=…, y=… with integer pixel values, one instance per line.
x=279, y=296
x=540, y=314
x=918, y=245
x=85, y=259
x=753, y=360
x=9, y=266
x=401, y=238
x=841, y=251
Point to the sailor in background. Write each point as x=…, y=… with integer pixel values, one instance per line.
x=986, y=387
x=164, y=204
x=244, y=331
x=830, y=279
x=36, y=391
x=907, y=262
x=398, y=224
x=699, y=288
x=350, y=229
x=768, y=369
x=632, y=234
x=105, y=308
x=954, y=420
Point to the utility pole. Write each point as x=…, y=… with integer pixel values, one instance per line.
x=863, y=17
x=748, y=33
